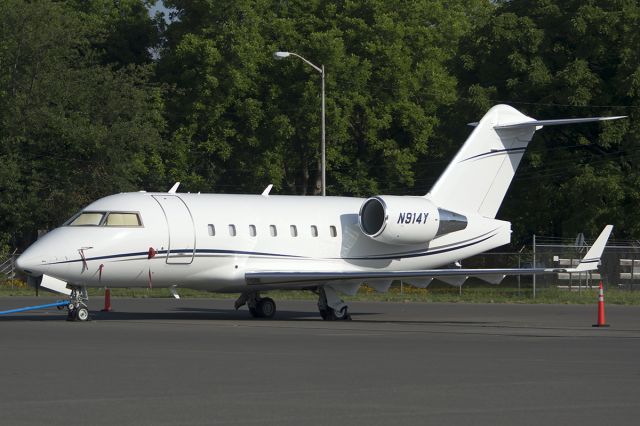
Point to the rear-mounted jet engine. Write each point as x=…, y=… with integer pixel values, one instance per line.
x=406, y=220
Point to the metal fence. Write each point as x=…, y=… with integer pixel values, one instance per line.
x=8, y=266
x=619, y=266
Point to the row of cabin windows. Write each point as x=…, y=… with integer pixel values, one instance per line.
x=273, y=230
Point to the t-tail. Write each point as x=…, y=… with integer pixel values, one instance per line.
x=478, y=177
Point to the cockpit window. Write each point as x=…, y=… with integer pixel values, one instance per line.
x=105, y=219
x=123, y=219
x=87, y=219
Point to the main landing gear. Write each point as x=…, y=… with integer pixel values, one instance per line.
x=259, y=307
x=77, y=307
x=331, y=307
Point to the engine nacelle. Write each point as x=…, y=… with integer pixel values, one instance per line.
x=406, y=220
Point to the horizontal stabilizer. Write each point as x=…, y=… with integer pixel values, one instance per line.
x=536, y=123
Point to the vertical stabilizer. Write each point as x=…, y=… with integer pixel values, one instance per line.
x=478, y=177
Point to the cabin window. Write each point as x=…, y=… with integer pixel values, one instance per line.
x=294, y=230
x=252, y=230
x=87, y=219
x=232, y=230
x=333, y=231
x=212, y=230
x=314, y=231
x=123, y=219
x=273, y=230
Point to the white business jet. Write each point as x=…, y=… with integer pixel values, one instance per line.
x=249, y=244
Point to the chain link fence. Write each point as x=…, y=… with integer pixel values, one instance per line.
x=8, y=266
x=619, y=267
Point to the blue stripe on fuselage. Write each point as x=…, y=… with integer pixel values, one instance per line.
x=401, y=255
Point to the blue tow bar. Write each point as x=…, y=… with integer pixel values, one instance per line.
x=31, y=308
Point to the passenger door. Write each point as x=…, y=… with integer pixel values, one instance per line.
x=182, y=235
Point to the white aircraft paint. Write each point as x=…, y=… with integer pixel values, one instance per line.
x=251, y=243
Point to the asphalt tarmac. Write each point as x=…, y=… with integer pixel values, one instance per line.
x=199, y=362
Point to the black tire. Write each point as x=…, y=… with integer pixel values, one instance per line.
x=266, y=307
x=254, y=312
x=342, y=314
x=325, y=314
x=82, y=314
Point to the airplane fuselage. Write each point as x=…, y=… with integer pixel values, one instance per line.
x=209, y=241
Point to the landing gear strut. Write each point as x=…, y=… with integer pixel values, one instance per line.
x=77, y=307
x=331, y=307
x=259, y=307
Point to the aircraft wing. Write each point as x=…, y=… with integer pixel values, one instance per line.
x=588, y=263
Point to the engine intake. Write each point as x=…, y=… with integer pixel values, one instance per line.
x=406, y=220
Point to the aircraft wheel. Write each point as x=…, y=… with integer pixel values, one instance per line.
x=82, y=314
x=71, y=314
x=325, y=314
x=267, y=307
x=342, y=314
x=255, y=313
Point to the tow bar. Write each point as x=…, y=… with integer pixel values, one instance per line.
x=58, y=304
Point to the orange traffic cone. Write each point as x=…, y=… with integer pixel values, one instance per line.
x=107, y=300
x=601, y=322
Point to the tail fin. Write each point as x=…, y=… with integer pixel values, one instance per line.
x=478, y=177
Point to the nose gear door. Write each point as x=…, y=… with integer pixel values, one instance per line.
x=182, y=235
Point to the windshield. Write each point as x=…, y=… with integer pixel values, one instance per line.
x=123, y=219
x=130, y=219
x=87, y=219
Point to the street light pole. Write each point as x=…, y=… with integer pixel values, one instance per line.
x=320, y=69
x=324, y=148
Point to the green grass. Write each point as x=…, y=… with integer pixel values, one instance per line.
x=434, y=294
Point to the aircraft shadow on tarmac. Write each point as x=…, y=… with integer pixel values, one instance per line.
x=175, y=314
x=191, y=314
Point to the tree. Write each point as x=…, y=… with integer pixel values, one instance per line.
x=73, y=129
x=240, y=120
x=564, y=59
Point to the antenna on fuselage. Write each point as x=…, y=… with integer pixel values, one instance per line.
x=267, y=190
x=174, y=188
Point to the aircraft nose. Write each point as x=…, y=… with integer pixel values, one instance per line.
x=31, y=263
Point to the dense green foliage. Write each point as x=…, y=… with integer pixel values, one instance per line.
x=98, y=97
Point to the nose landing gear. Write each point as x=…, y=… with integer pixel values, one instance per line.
x=77, y=309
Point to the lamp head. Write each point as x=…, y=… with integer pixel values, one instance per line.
x=281, y=55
